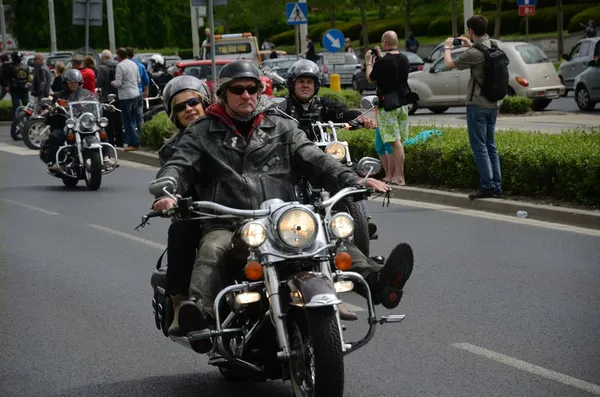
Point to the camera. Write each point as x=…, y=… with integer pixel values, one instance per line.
x=374, y=53
x=457, y=42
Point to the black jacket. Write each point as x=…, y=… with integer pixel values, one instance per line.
x=42, y=80
x=319, y=109
x=226, y=169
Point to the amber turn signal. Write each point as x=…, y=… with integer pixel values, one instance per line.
x=70, y=137
x=103, y=135
x=253, y=271
x=343, y=261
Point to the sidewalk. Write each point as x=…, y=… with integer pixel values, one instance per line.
x=569, y=216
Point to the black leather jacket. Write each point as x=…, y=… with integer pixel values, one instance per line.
x=226, y=169
x=319, y=109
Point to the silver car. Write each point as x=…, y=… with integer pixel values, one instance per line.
x=531, y=74
x=346, y=71
x=587, y=86
x=577, y=61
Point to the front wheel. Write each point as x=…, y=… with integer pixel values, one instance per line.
x=582, y=97
x=35, y=132
x=93, y=170
x=317, y=370
x=361, y=223
x=17, y=126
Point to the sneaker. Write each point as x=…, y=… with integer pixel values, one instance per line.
x=390, y=280
x=483, y=193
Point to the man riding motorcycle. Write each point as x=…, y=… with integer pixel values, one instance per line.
x=158, y=73
x=303, y=104
x=72, y=91
x=240, y=154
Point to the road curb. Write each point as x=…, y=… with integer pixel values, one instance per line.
x=569, y=216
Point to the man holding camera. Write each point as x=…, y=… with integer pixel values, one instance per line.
x=390, y=73
x=482, y=101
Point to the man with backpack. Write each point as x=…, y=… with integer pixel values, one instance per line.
x=19, y=82
x=487, y=87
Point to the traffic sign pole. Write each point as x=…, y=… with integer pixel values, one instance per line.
x=303, y=30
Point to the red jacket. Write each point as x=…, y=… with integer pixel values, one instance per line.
x=89, y=79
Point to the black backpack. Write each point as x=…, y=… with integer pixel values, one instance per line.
x=495, y=80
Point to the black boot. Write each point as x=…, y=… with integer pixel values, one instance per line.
x=192, y=317
x=386, y=284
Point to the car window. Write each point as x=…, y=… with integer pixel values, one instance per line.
x=531, y=54
x=585, y=46
x=436, y=54
x=440, y=66
x=201, y=72
x=412, y=57
x=575, y=51
x=351, y=59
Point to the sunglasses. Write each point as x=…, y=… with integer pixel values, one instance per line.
x=180, y=107
x=239, y=89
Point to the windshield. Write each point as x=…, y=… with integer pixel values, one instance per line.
x=76, y=109
x=531, y=54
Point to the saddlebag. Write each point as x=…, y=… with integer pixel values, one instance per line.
x=162, y=304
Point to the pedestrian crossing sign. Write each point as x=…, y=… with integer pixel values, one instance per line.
x=296, y=13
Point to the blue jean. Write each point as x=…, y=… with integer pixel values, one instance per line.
x=139, y=116
x=129, y=112
x=481, y=124
x=18, y=98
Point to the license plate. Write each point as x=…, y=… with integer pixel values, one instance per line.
x=552, y=93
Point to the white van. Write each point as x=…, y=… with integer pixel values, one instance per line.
x=235, y=46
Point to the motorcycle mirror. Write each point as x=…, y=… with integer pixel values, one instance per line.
x=369, y=102
x=158, y=186
x=368, y=166
x=111, y=97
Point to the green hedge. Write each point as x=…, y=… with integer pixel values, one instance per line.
x=563, y=166
x=348, y=97
x=157, y=130
x=5, y=110
x=515, y=105
x=583, y=17
x=544, y=19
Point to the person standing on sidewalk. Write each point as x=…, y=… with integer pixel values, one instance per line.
x=42, y=79
x=127, y=78
x=481, y=111
x=143, y=86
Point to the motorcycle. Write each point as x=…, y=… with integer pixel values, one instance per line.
x=278, y=81
x=81, y=155
x=24, y=113
x=282, y=320
x=153, y=105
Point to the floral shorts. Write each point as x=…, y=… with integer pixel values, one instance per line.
x=393, y=124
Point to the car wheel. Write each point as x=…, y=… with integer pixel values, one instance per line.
x=413, y=106
x=540, y=104
x=582, y=97
x=563, y=83
x=438, y=110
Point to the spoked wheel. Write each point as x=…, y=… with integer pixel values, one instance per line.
x=317, y=370
x=34, y=132
x=361, y=224
x=17, y=125
x=93, y=170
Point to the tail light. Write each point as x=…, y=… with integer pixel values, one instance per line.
x=28, y=112
x=523, y=81
x=420, y=67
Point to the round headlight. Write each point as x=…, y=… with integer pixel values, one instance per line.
x=336, y=150
x=254, y=234
x=341, y=225
x=297, y=228
x=87, y=120
x=103, y=122
x=70, y=123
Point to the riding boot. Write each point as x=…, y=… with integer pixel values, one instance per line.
x=174, y=329
x=346, y=314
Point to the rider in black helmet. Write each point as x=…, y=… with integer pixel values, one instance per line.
x=304, y=81
x=19, y=82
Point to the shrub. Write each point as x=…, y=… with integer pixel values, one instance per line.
x=563, y=166
x=515, y=105
x=157, y=130
x=544, y=19
x=583, y=17
x=5, y=110
x=284, y=38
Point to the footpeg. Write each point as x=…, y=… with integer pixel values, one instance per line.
x=392, y=318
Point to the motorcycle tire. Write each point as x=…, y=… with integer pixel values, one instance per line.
x=361, y=223
x=16, y=126
x=153, y=111
x=321, y=332
x=93, y=177
x=32, y=133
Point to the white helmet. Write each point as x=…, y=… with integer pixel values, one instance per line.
x=157, y=59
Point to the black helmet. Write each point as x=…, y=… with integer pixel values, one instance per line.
x=16, y=56
x=182, y=83
x=307, y=68
x=237, y=70
x=72, y=76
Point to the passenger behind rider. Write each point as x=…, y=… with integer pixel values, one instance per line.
x=184, y=99
x=223, y=157
x=72, y=91
x=302, y=103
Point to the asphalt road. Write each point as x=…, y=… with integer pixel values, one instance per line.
x=495, y=306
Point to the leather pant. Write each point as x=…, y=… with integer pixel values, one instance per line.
x=207, y=275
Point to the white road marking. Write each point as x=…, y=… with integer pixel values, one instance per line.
x=527, y=367
x=133, y=164
x=22, y=151
x=128, y=236
x=496, y=217
x=30, y=207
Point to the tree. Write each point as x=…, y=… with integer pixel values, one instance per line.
x=454, y=16
x=498, y=18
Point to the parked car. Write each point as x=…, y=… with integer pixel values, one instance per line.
x=346, y=71
x=577, y=61
x=360, y=82
x=171, y=60
x=531, y=74
x=434, y=55
x=202, y=69
x=263, y=55
x=587, y=86
x=54, y=57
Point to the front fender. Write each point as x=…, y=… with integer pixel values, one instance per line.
x=311, y=289
x=90, y=142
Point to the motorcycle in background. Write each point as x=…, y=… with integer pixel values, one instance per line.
x=33, y=108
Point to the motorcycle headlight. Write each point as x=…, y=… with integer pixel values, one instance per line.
x=87, y=121
x=297, y=228
x=341, y=225
x=336, y=150
x=103, y=122
x=254, y=234
x=70, y=123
